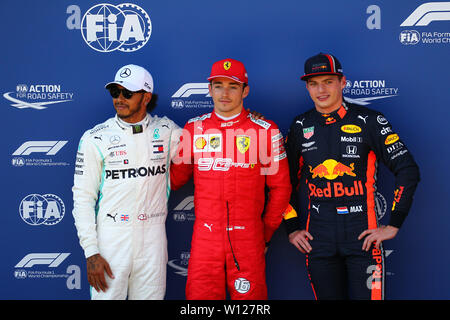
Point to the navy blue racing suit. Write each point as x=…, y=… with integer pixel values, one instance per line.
x=337, y=156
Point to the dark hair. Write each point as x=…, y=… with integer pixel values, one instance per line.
x=243, y=87
x=339, y=76
x=152, y=104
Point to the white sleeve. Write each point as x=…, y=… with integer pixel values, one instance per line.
x=87, y=179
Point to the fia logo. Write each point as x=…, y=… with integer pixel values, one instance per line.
x=47, y=209
x=105, y=27
x=408, y=37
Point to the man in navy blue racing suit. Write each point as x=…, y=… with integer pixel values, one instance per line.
x=335, y=148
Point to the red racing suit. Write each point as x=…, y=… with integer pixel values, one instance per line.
x=232, y=162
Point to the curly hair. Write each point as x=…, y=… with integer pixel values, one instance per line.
x=152, y=104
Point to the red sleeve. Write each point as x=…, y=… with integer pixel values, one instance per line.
x=278, y=182
x=182, y=165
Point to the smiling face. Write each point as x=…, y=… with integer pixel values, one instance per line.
x=326, y=92
x=228, y=96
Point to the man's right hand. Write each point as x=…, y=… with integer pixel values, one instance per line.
x=96, y=268
x=300, y=240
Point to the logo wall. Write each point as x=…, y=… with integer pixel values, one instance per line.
x=47, y=266
x=430, y=13
x=46, y=209
x=179, y=266
x=192, y=95
x=37, y=96
x=105, y=27
x=363, y=92
x=23, y=154
x=184, y=211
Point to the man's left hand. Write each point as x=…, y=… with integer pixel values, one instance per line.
x=255, y=114
x=377, y=235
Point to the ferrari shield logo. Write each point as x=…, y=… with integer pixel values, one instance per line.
x=242, y=143
x=227, y=65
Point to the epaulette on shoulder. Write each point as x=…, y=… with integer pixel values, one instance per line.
x=266, y=125
x=98, y=128
x=200, y=118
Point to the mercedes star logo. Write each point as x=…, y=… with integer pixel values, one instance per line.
x=125, y=73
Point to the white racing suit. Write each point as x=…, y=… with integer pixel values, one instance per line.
x=120, y=192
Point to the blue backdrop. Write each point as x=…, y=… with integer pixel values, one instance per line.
x=57, y=55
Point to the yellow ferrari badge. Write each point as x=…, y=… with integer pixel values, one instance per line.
x=227, y=65
x=242, y=143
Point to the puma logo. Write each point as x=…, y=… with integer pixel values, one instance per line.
x=362, y=118
x=300, y=121
x=316, y=207
x=209, y=227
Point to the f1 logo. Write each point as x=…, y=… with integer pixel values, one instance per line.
x=50, y=148
x=189, y=89
x=51, y=259
x=427, y=13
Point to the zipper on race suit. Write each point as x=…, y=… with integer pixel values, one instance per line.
x=229, y=240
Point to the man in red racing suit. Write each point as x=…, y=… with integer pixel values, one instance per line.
x=232, y=157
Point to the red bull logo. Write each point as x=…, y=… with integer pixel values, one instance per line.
x=331, y=169
x=375, y=281
x=336, y=190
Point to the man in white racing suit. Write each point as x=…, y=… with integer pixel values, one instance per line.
x=120, y=192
